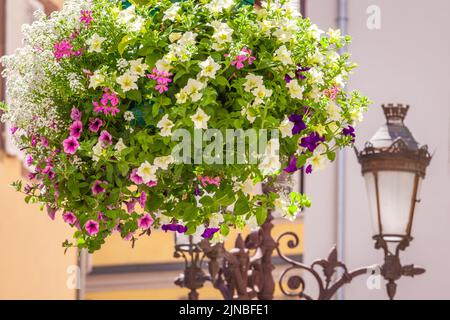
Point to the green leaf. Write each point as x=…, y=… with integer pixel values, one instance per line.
x=221, y=81
x=190, y=212
x=261, y=215
x=241, y=206
x=73, y=187
x=135, y=95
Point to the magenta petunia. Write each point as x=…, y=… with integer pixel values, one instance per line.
x=92, y=227
x=131, y=205
x=76, y=129
x=95, y=125
x=29, y=160
x=105, y=138
x=152, y=184
x=75, y=114
x=135, y=178
x=71, y=145
x=142, y=199
x=97, y=187
x=51, y=211
x=145, y=221
x=44, y=142
x=69, y=217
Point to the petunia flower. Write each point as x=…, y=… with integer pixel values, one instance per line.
x=75, y=114
x=174, y=227
x=292, y=167
x=92, y=227
x=131, y=205
x=71, y=145
x=209, y=232
x=312, y=141
x=69, y=217
x=95, y=125
x=135, y=178
x=349, y=131
x=105, y=138
x=51, y=211
x=145, y=221
x=299, y=125
x=76, y=129
x=29, y=160
x=308, y=169
x=142, y=199
x=97, y=187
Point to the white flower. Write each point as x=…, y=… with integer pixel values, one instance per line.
x=216, y=220
x=166, y=126
x=286, y=127
x=147, y=172
x=138, y=68
x=217, y=238
x=252, y=223
x=357, y=114
x=194, y=88
x=318, y=161
x=248, y=188
x=316, y=76
x=339, y=80
x=172, y=12
x=97, y=151
x=315, y=32
x=315, y=93
x=334, y=35
x=217, y=6
x=163, y=65
x=209, y=68
x=128, y=82
x=163, y=162
x=247, y=112
x=120, y=146
x=175, y=36
x=333, y=111
x=270, y=165
x=96, y=80
x=187, y=39
x=122, y=64
x=222, y=33
x=282, y=209
x=128, y=116
x=182, y=96
x=287, y=28
x=295, y=91
x=200, y=119
x=283, y=55
x=261, y=93
x=95, y=43
x=253, y=81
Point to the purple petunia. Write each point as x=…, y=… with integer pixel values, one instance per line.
x=97, y=187
x=209, y=232
x=92, y=227
x=312, y=141
x=349, y=131
x=145, y=221
x=308, y=169
x=174, y=227
x=299, y=125
x=95, y=125
x=292, y=166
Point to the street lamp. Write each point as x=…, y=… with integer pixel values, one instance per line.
x=393, y=166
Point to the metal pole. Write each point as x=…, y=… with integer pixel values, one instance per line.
x=342, y=22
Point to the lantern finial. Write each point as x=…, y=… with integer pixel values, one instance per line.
x=395, y=113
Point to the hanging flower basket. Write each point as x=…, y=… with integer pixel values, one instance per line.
x=101, y=91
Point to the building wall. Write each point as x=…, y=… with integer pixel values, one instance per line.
x=407, y=61
x=33, y=264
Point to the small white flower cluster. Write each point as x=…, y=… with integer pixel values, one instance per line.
x=147, y=172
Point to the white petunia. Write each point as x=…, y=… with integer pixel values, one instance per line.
x=172, y=12
x=333, y=111
x=95, y=43
x=138, y=68
x=284, y=56
x=253, y=81
x=120, y=146
x=222, y=33
x=147, y=172
x=295, y=91
x=217, y=6
x=209, y=68
x=316, y=76
x=96, y=80
x=200, y=119
x=175, y=36
x=163, y=65
x=319, y=160
x=166, y=126
x=97, y=151
x=163, y=162
x=248, y=188
x=182, y=96
x=127, y=82
x=286, y=127
x=261, y=93
x=187, y=39
x=315, y=32
x=216, y=220
x=194, y=89
x=334, y=35
x=270, y=165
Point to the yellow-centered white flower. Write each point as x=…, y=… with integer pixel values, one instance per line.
x=127, y=82
x=209, y=68
x=295, y=91
x=147, y=172
x=120, y=146
x=172, y=12
x=163, y=162
x=200, y=119
x=286, y=127
x=96, y=80
x=283, y=55
x=253, y=81
x=95, y=43
x=138, y=68
x=165, y=125
x=194, y=89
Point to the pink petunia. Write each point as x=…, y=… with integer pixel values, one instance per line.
x=44, y=142
x=29, y=160
x=51, y=211
x=145, y=222
x=92, y=227
x=71, y=145
x=131, y=205
x=97, y=187
x=152, y=184
x=142, y=199
x=75, y=114
x=69, y=218
x=95, y=125
x=135, y=178
x=105, y=138
x=76, y=129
